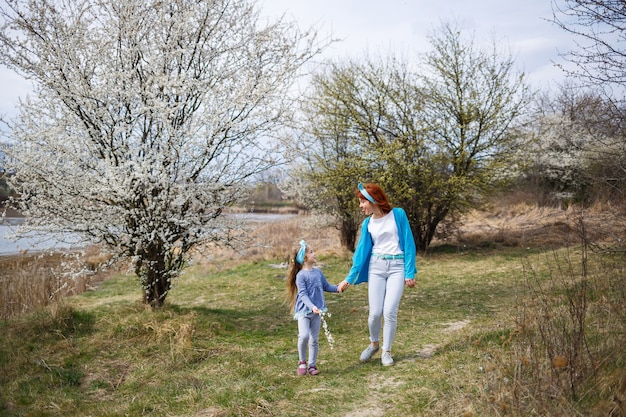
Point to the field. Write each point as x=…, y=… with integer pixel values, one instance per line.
x=511, y=316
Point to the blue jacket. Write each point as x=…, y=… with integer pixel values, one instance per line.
x=311, y=286
x=361, y=258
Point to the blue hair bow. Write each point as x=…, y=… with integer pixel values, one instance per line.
x=366, y=194
x=301, y=252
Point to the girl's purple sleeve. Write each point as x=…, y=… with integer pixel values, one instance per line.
x=327, y=286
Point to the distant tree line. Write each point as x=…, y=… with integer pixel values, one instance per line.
x=5, y=190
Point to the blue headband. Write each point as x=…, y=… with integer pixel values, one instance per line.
x=301, y=252
x=366, y=194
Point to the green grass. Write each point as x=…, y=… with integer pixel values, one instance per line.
x=225, y=345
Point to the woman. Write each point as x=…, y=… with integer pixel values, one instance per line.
x=385, y=259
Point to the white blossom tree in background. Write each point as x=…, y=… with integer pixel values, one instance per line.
x=599, y=64
x=146, y=120
x=579, y=153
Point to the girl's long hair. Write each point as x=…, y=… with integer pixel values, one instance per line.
x=292, y=288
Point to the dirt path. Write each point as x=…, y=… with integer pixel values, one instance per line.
x=375, y=405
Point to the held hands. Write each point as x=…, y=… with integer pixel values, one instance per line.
x=343, y=285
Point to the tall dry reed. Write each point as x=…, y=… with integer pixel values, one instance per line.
x=29, y=281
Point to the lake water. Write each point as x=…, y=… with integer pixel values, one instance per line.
x=9, y=246
x=262, y=217
x=32, y=244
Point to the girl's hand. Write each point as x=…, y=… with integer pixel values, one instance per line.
x=343, y=285
x=410, y=283
x=316, y=310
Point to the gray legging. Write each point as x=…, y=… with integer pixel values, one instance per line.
x=385, y=288
x=308, y=336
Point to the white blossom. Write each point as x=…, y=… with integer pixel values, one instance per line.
x=329, y=336
x=148, y=118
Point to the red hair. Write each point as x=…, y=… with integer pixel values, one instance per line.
x=377, y=194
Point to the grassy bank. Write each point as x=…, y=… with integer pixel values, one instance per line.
x=225, y=345
x=488, y=331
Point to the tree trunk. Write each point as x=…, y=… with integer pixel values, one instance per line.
x=423, y=233
x=158, y=288
x=348, y=229
x=154, y=277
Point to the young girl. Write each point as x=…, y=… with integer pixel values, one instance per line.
x=305, y=290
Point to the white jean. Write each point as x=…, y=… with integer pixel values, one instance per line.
x=385, y=288
x=308, y=337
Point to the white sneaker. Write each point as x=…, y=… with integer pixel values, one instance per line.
x=366, y=355
x=386, y=359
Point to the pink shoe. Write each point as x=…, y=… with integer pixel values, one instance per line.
x=302, y=368
x=313, y=370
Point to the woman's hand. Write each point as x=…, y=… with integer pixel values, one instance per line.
x=343, y=285
x=410, y=283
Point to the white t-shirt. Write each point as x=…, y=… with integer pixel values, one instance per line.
x=385, y=235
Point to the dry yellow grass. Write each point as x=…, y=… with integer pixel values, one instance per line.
x=275, y=240
x=522, y=224
x=29, y=281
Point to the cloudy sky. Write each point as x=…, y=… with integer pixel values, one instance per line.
x=521, y=26
x=402, y=26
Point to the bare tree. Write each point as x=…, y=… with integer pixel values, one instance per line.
x=335, y=157
x=599, y=29
x=147, y=119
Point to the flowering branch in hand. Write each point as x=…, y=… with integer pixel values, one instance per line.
x=329, y=336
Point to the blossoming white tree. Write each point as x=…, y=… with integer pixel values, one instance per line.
x=148, y=116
